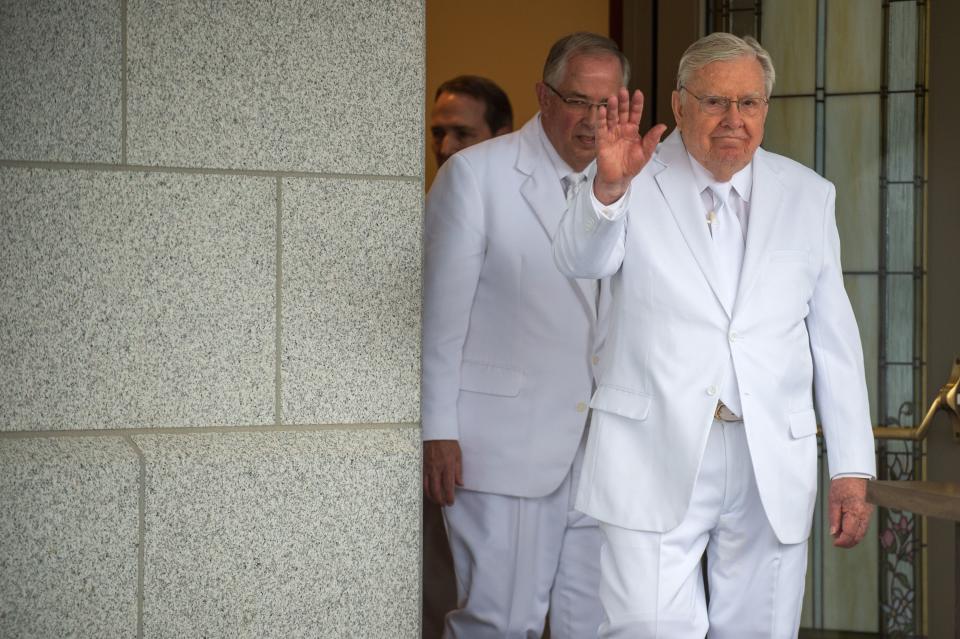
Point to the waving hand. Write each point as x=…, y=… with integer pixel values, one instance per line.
x=621, y=151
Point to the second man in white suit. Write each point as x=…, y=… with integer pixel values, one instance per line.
x=508, y=356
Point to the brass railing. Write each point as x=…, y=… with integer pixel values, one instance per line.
x=946, y=400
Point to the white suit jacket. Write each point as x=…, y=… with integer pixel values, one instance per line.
x=791, y=331
x=507, y=338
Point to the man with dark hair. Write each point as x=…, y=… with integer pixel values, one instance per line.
x=509, y=346
x=468, y=109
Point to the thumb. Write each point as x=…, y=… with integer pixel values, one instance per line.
x=834, y=515
x=652, y=138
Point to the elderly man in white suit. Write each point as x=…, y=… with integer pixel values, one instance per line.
x=508, y=351
x=726, y=285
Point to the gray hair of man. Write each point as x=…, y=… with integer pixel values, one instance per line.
x=719, y=47
x=580, y=43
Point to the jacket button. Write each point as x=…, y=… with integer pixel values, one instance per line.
x=596, y=360
x=581, y=407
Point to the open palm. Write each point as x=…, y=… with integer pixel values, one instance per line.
x=621, y=151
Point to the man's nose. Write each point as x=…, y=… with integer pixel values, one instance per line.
x=450, y=145
x=733, y=118
x=591, y=117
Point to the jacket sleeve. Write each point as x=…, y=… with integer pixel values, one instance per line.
x=589, y=244
x=838, y=373
x=454, y=245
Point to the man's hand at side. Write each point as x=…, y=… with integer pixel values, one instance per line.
x=849, y=511
x=442, y=470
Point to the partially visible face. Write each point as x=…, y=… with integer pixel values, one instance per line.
x=723, y=143
x=573, y=131
x=456, y=123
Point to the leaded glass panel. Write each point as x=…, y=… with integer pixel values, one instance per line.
x=852, y=163
x=854, y=41
x=787, y=131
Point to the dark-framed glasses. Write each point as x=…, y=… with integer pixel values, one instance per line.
x=749, y=106
x=578, y=104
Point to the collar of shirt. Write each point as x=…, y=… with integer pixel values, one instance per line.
x=741, y=183
x=561, y=168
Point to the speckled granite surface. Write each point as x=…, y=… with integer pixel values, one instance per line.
x=136, y=300
x=283, y=85
x=60, y=81
x=351, y=301
x=280, y=534
x=68, y=538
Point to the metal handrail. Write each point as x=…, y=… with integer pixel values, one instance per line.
x=946, y=400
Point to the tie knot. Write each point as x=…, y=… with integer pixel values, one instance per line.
x=571, y=184
x=721, y=194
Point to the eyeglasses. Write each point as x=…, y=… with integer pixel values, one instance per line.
x=717, y=104
x=578, y=104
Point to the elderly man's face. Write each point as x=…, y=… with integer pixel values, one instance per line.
x=457, y=121
x=723, y=143
x=570, y=128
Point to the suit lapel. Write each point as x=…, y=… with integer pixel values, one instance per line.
x=677, y=185
x=541, y=188
x=766, y=205
x=544, y=195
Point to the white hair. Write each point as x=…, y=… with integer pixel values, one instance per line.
x=721, y=46
x=581, y=43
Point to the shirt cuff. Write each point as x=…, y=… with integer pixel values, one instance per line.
x=857, y=475
x=610, y=211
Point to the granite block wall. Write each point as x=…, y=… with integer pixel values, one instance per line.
x=209, y=318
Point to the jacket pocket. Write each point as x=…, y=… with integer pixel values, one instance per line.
x=621, y=401
x=480, y=377
x=803, y=423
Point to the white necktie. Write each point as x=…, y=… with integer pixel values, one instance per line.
x=728, y=244
x=571, y=184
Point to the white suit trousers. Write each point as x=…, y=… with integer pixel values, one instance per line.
x=516, y=558
x=652, y=585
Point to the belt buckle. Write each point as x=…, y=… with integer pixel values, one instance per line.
x=723, y=414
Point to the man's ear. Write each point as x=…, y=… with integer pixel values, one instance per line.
x=542, y=94
x=506, y=128
x=677, y=105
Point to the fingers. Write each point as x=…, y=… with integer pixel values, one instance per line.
x=849, y=512
x=434, y=492
x=622, y=110
x=636, y=107
x=442, y=470
x=834, y=515
x=447, y=485
x=853, y=528
x=613, y=112
x=852, y=523
x=439, y=485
